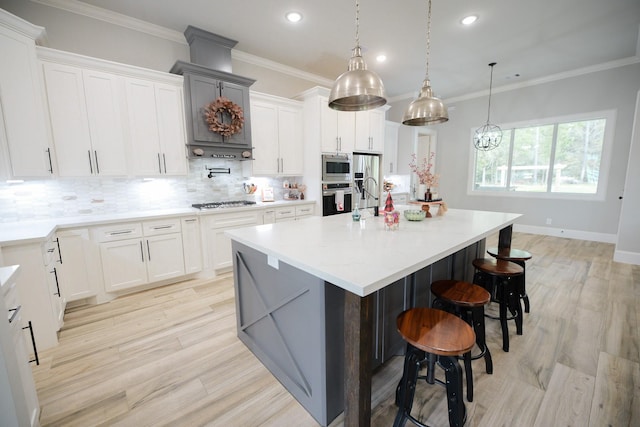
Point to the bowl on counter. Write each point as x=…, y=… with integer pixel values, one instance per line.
x=415, y=214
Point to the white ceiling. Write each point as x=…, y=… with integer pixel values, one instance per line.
x=532, y=39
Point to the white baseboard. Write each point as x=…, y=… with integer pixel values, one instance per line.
x=627, y=257
x=569, y=234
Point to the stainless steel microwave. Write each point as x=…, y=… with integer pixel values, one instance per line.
x=336, y=168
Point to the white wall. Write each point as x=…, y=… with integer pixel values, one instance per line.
x=610, y=89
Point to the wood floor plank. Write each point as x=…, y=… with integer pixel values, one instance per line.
x=567, y=401
x=617, y=393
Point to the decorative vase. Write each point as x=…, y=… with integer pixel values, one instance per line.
x=422, y=190
x=427, y=195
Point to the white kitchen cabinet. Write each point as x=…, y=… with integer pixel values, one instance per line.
x=26, y=152
x=52, y=260
x=277, y=136
x=370, y=130
x=390, y=154
x=135, y=254
x=304, y=211
x=217, y=244
x=34, y=290
x=287, y=213
x=156, y=128
x=85, y=108
x=78, y=263
x=19, y=403
x=191, y=244
x=338, y=132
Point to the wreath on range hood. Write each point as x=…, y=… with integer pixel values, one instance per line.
x=215, y=113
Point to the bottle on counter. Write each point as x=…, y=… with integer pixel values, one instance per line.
x=355, y=214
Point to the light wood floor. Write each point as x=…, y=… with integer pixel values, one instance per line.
x=170, y=356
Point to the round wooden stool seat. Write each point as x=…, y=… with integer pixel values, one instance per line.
x=433, y=337
x=498, y=267
x=467, y=301
x=460, y=293
x=510, y=254
x=436, y=331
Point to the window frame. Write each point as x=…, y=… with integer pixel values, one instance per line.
x=605, y=158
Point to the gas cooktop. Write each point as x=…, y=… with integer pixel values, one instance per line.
x=227, y=204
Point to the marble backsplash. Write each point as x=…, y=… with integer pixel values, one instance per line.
x=65, y=197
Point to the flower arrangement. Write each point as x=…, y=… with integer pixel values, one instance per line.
x=424, y=171
x=215, y=112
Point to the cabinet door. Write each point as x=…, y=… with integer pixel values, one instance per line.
x=265, y=138
x=363, y=135
x=23, y=107
x=328, y=128
x=102, y=95
x=69, y=121
x=203, y=90
x=239, y=95
x=191, y=245
x=171, y=132
x=369, y=131
x=218, y=244
x=143, y=127
x=74, y=270
x=57, y=301
x=123, y=264
x=165, y=258
x=291, y=145
x=377, y=125
x=390, y=155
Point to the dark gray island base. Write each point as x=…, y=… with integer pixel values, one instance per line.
x=294, y=321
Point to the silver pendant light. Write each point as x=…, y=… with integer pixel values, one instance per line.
x=357, y=89
x=489, y=136
x=427, y=109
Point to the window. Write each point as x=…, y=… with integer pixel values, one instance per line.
x=560, y=157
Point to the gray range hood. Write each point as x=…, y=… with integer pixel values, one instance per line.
x=207, y=77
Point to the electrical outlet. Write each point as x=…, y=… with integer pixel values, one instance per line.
x=548, y=221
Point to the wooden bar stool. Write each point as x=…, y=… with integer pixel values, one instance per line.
x=519, y=257
x=467, y=301
x=432, y=336
x=495, y=275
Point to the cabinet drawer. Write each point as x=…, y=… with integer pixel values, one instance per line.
x=232, y=220
x=161, y=226
x=282, y=213
x=304, y=210
x=115, y=232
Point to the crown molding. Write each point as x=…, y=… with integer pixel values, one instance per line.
x=90, y=11
x=23, y=27
x=548, y=79
x=276, y=66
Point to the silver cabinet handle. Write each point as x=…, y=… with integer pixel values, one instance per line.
x=162, y=227
x=141, y=251
x=55, y=275
x=95, y=154
x=59, y=251
x=159, y=166
x=90, y=162
x=14, y=314
x=164, y=160
x=148, y=250
x=190, y=220
x=48, y=150
x=116, y=233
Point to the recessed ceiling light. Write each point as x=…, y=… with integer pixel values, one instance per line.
x=381, y=58
x=293, y=16
x=468, y=20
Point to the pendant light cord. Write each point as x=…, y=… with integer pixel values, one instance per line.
x=357, y=24
x=428, y=40
x=490, y=87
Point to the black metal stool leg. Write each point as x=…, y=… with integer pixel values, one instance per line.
x=407, y=386
x=503, y=317
x=468, y=373
x=478, y=326
x=453, y=376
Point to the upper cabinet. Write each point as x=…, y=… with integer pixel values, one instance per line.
x=156, y=129
x=370, y=130
x=85, y=107
x=337, y=129
x=390, y=154
x=277, y=136
x=110, y=119
x=25, y=151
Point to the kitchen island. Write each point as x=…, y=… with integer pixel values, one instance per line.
x=305, y=295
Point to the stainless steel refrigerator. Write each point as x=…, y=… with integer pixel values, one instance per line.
x=366, y=178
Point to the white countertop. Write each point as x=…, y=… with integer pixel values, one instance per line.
x=362, y=257
x=37, y=231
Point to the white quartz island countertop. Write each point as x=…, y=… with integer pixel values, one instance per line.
x=362, y=257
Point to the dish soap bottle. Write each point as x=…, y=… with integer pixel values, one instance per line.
x=355, y=214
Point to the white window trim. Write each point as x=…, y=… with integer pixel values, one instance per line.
x=605, y=160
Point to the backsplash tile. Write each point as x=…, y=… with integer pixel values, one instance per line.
x=65, y=197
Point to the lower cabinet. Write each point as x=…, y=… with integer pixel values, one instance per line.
x=52, y=265
x=217, y=244
x=388, y=304
x=76, y=271
x=135, y=254
x=191, y=245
